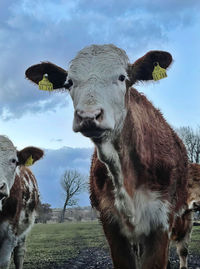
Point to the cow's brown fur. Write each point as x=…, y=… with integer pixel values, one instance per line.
x=182, y=228
x=194, y=184
x=153, y=157
x=23, y=198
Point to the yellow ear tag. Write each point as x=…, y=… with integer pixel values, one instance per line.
x=45, y=84
x=29, y=161
x=158, y=72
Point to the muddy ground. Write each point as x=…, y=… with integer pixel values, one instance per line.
x=96, y=258
x=82, y=245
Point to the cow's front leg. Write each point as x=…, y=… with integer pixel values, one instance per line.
x=155, y=250
x=5, y=266
x=183, y=241
x=182, y=250
x=120, y=247
x=168, y=265
x=19, y=253
x=5, y=253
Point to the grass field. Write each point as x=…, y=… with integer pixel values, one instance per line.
x=195, y=241
x=54, y=244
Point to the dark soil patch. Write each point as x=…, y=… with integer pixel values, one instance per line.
x=90, y=258
x=193, y=260
x=96, y=258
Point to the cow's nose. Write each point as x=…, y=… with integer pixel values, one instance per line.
x=90, y=115
x=3, y=191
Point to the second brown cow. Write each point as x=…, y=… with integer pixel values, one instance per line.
x=182, y=228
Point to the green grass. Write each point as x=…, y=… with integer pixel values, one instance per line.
x=56, y=243
x=49, y=244
x=195, y=240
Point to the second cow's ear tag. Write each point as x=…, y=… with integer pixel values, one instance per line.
x=158, y=72
x=29, y=161
x=45, y=84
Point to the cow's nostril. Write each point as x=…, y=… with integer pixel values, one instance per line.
x=88, y=115
x=99, y=115
x=2, y=186
x=79, y=115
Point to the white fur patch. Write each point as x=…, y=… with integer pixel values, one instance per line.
x=148, y=212
x=17, y=171
x=25, y=227
x=195, y=200
x=190, y=205
x=29, y=184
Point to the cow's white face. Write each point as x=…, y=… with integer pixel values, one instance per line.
x=98, y=85
x=10, y=159
x=8, y=164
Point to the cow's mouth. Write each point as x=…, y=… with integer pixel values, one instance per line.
x=2, y=196
x=93, y=133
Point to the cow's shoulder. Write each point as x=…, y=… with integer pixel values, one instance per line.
x=29, y=189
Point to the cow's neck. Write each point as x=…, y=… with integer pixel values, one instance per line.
x=111, y=150
x=109, y=153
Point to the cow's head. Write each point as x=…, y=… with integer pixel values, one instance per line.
x=98, y=79
x=194, y=187
x=10, y=159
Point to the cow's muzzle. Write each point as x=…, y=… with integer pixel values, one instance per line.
x=89, y=123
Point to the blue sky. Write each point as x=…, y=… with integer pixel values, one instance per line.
x=50, y=170
x=34, y=31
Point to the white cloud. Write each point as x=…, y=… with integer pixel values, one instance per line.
x=31, y=31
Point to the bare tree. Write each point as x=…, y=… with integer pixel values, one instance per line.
x=191, y=139
x=73, y=183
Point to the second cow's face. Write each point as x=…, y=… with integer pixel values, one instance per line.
x=10, y=159
x=8, y=164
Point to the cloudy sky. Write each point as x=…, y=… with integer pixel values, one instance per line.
x=55, y=30
x=50, y=169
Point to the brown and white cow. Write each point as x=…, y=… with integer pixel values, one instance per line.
x=139, y=169
x=18, y=200
x=182, y=228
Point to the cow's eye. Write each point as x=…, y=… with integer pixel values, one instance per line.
x=121, y=77
x=14, y=161
x=69, y=84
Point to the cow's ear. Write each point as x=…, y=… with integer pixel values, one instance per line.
x=56, y=75
x=143, y=68
x=29, y=155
